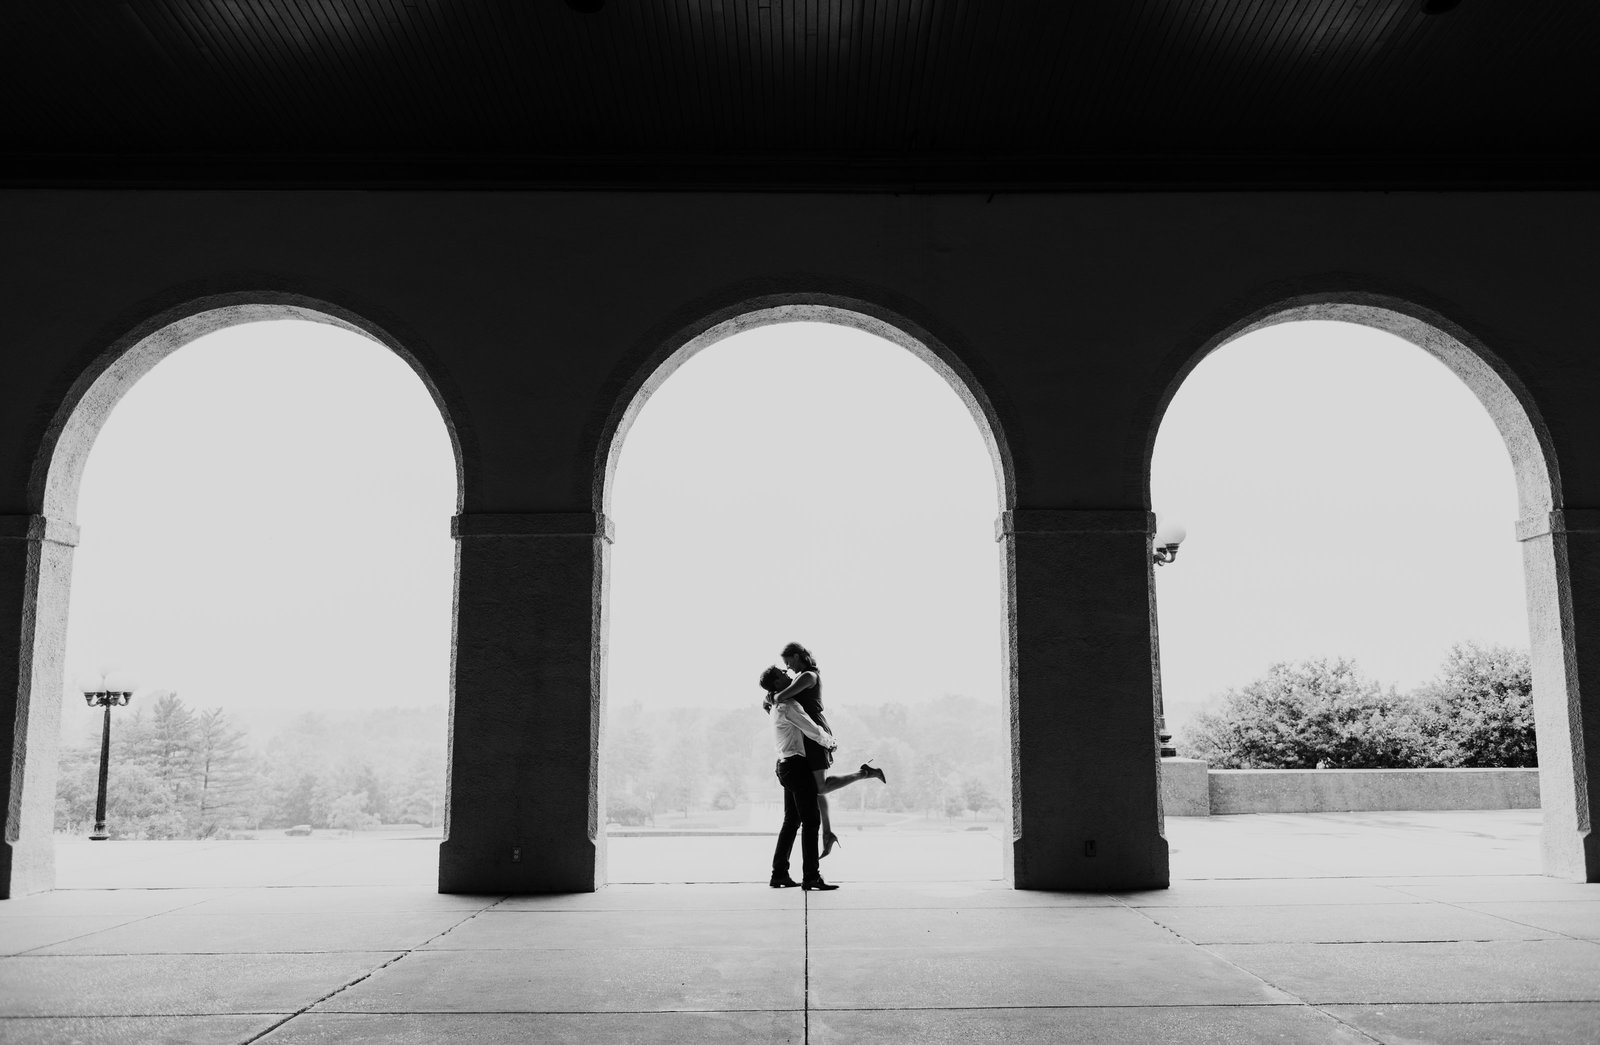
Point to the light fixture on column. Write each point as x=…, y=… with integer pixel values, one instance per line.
x=107, y=690
x=1164, y=549
x=1168, y=536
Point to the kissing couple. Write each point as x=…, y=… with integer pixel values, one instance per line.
x=805, y=749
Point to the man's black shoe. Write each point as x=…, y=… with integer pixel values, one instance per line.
x=782, y=881
x=816, y=884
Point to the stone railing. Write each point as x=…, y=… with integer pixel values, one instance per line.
x=1191, y=788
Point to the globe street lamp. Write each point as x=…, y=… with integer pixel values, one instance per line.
x=1168, y=536
x=111, y=689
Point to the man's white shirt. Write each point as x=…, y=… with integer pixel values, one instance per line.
x=790, y=724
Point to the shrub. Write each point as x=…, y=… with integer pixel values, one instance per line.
x=628, y=813
x=1316, y=714
x=1479, y=711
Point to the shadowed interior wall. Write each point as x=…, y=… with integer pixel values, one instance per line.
x=534, y=314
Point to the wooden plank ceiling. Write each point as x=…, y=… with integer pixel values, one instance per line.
x=897, y=93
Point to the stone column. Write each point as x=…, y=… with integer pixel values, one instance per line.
x=35, y=574
x=1086, y=806
x=1561, y=560
x=523, y=802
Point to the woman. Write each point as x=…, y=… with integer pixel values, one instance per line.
x=806, y=690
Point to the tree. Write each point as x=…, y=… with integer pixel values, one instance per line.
x=77, y=788
x=173, y=745
x=976, y=795
x=422, y=789
x=929, y=788
x=300, y=803
x=1315, y=714
x=630, y=761
x=728, y=748
x=1478, y=712
x=679, y=777
x=222, y=768
x=151, y=787
x=349, y=812
x=896, y=758
x=368, y=783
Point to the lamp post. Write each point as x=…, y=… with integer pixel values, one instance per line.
x=1163, y=551
x=111, y=689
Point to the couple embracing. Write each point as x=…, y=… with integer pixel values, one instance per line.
x=805, y=751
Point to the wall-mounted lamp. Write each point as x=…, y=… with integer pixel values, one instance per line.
x=1168, y=536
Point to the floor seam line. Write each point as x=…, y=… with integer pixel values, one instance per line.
x=367, y=975
x=805, y=995
x=1460, y=906
x=1260, y=979
x=132, y=921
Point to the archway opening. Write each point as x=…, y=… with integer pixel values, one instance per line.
x=1346, y=633
x=805, y=480
x=265, y=553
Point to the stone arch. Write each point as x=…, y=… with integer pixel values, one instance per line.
x=673, y=351
x=58, y=465
x=26, y=859
x=1569, y=848
x=1495, y=385
x=681, y=346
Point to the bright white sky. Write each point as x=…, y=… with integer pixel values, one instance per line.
x=811, y=483
x=272, y=544
x=266, y=528
x=1345, y=494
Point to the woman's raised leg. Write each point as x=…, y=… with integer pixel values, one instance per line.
x=826, y=784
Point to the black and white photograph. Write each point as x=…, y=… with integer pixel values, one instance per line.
x=799, y=522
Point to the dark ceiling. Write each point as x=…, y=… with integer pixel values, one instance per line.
x=891, y=94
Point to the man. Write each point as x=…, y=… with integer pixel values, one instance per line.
x=790, y=726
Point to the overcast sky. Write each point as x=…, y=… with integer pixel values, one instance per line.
x=268, y=543
x=1345, y=495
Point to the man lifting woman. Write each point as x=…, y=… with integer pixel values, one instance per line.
x=805, y=749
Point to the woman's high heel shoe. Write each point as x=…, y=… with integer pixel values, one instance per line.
x=867, y=770
x=829, y=840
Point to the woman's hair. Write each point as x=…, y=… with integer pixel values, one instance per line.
x=794, y=649
x=774, y=680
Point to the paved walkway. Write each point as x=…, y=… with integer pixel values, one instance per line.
x=1391, y=927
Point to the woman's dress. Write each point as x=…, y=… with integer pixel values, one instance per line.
x=810, y=700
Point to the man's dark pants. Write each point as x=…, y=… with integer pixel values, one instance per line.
x=799, y=811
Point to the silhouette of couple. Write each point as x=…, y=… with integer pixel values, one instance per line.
x=805, y=751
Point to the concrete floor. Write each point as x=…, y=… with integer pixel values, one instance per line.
x=1401, y=928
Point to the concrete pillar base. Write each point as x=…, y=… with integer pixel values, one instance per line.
x=518, y=867
x=27, y=867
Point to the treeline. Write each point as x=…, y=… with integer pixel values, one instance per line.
x=178, y=772
x=944, y=758
x=1324, y=714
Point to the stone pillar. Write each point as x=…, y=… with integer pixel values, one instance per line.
x=1561, y=560
x=1085, y=794
x=35, y=574
x=523, y=802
